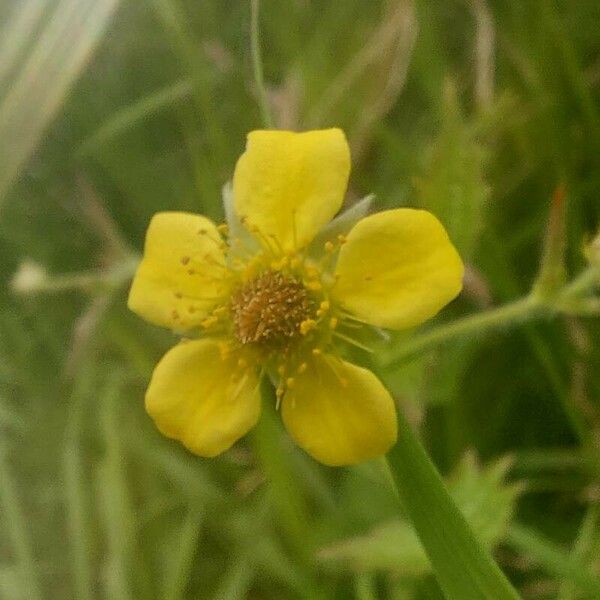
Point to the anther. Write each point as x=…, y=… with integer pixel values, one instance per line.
x=307, y=325
x=277, y=265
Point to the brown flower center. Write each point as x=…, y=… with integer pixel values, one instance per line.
x=270, y=308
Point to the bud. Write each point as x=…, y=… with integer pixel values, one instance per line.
x=552, y=274
x=30, y=276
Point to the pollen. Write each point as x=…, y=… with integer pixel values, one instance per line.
x=270, y=309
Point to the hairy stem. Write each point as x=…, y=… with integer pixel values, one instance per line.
x=515, y=312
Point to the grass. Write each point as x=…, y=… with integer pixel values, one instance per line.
x=480, y=111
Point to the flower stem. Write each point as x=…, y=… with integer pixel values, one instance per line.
x=257, y=65
x=87, y=281
x=517, y=311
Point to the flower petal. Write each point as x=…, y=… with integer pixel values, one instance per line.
x=202, y=399
x=339, y=413
x=397, y=269
x=289, y=185
x=181, y=275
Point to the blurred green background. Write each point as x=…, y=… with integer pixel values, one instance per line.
x=110, y=111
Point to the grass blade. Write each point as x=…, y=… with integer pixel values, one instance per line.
x=76, y=489
x=464, y=569
x=179, y=570
x=17, y=529
x=136, y=113
x=45, y=78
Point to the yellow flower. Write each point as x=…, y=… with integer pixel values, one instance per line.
x=274, y=290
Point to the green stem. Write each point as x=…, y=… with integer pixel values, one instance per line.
x=502, y=316
x=257, y=66
x=463, y=567
x=585, y=281
x=88, y=281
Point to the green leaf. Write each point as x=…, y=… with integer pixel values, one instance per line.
x=555, y=560
x=463, y=567
x=393, y=546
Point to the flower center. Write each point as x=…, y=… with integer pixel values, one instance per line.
x=270, y=309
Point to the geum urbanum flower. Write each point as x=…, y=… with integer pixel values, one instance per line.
x=274, y=290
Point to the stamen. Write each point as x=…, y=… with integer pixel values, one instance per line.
x=353, y=342
x=219, y=243
x=330, y=361
x=307, y=325
x=266, y=240
x=271, y=309
x=209, y=322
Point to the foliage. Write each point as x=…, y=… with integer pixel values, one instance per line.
x=112, y=111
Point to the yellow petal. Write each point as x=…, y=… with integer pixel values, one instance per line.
x=201, y=399
x=339, y=413
x=397, y=269
x=181, y=275
x=289, y=185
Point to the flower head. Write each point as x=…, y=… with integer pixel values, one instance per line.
x=275, y=290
